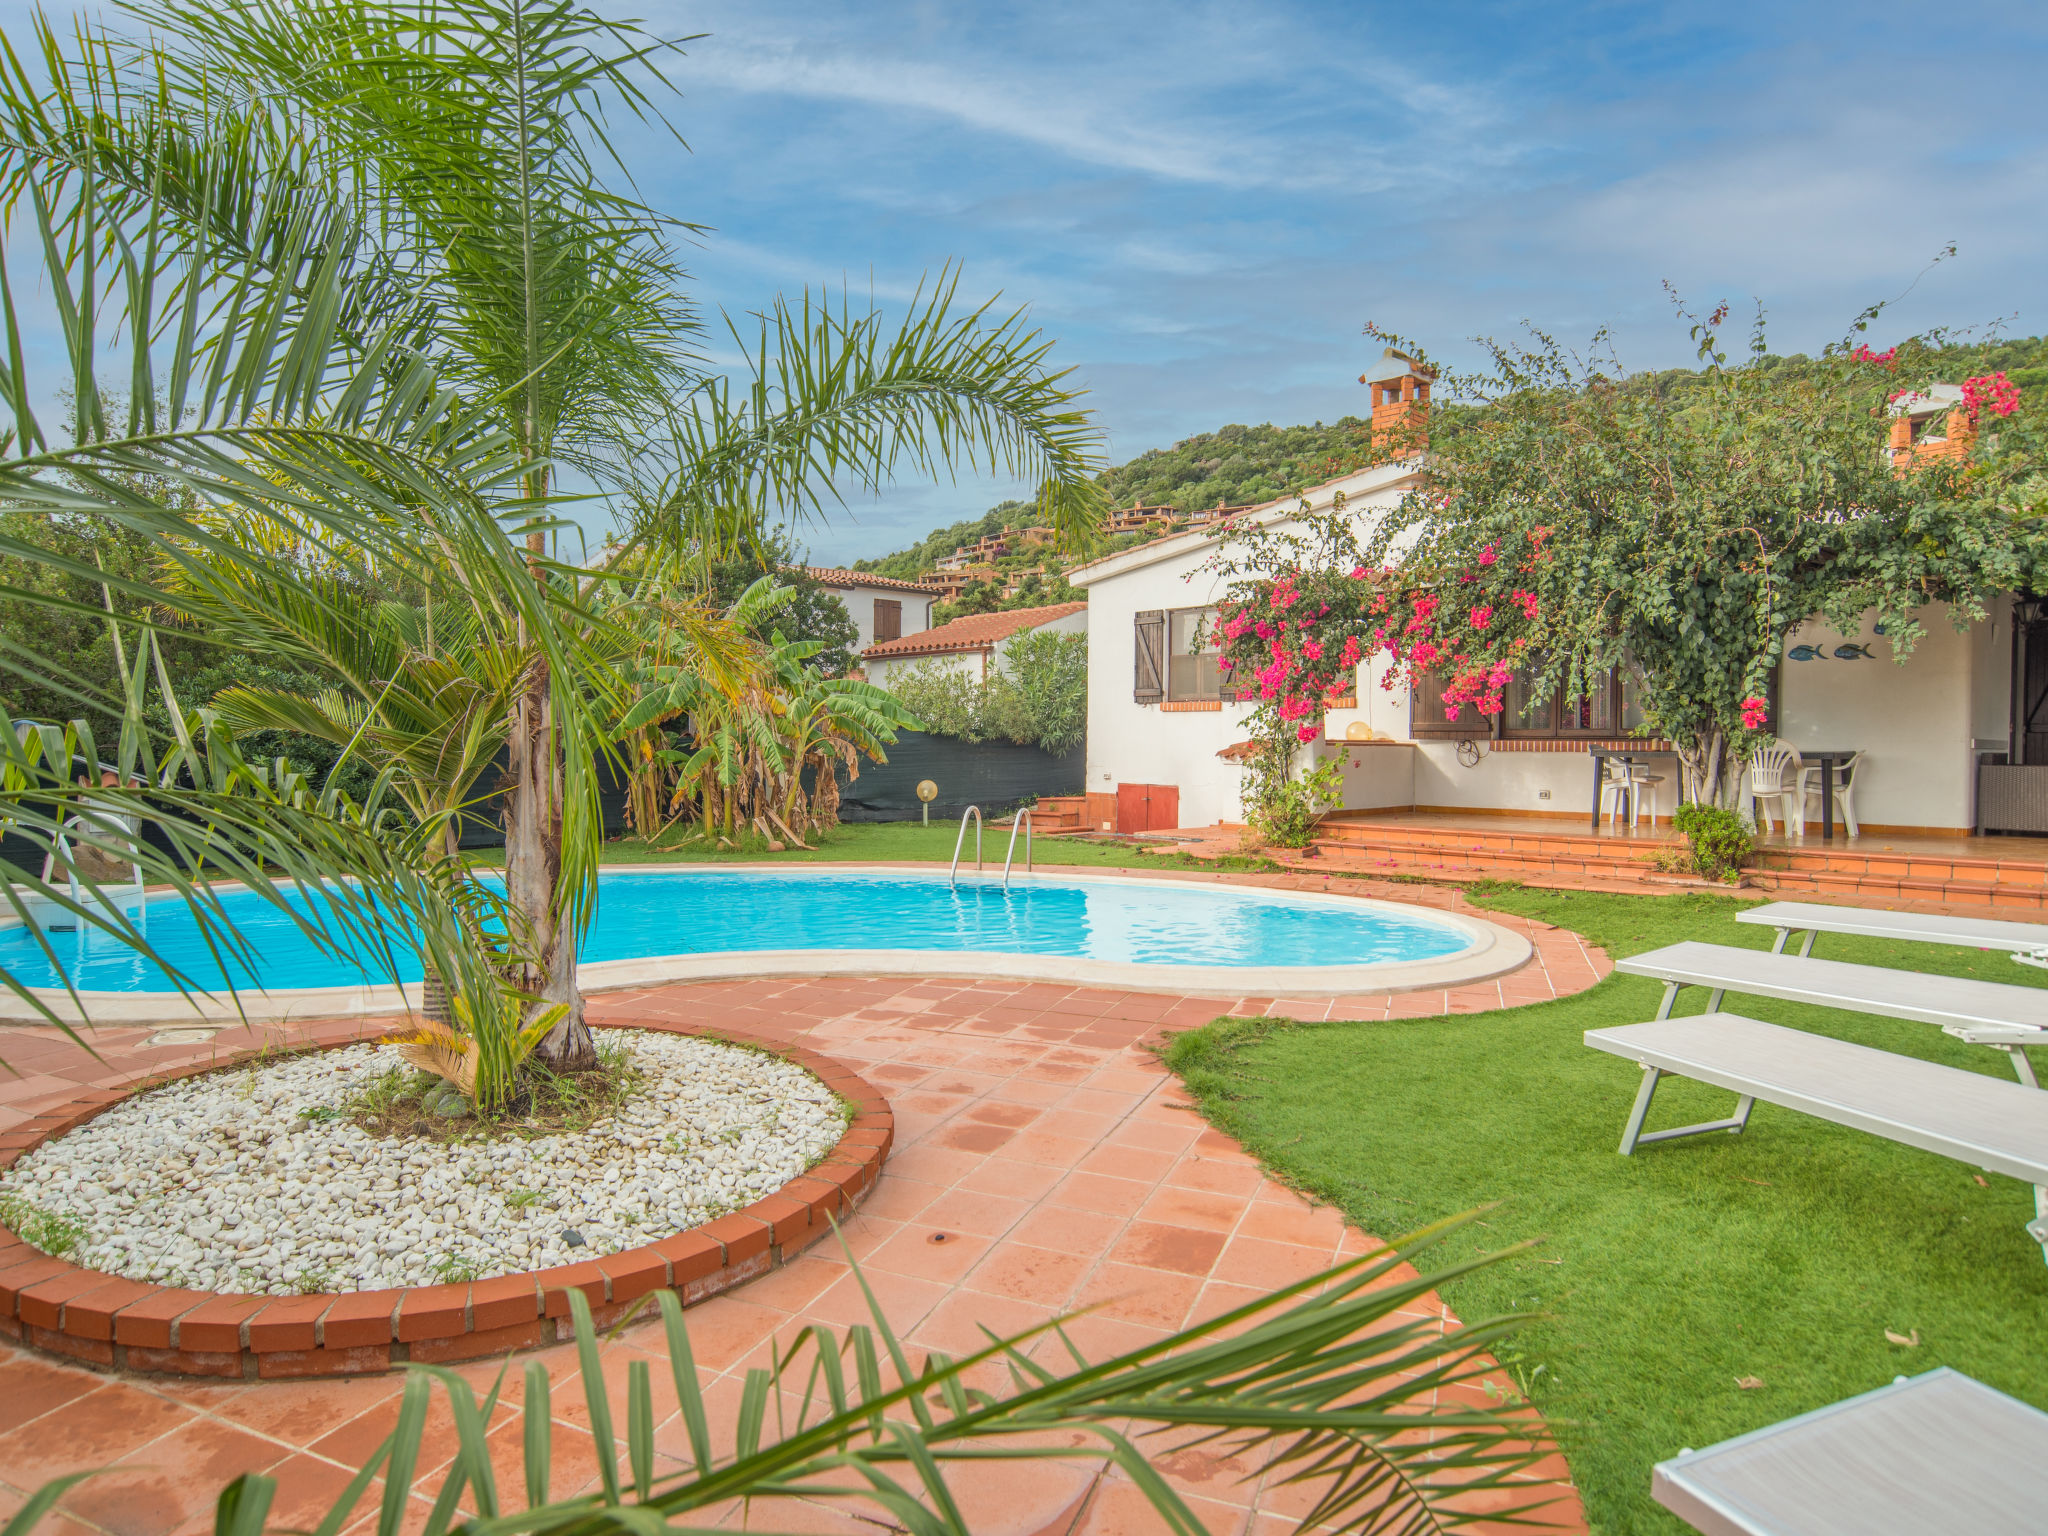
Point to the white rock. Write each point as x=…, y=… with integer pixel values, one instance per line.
x=218, y=1182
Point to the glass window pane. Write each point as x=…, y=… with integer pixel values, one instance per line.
x=1631, y=701
x=1530, y=711
x=1594, y=712
x=1191, y=671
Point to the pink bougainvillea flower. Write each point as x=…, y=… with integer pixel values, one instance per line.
x=1488, y=555
x=1884, y=359
x=1359, y=573
x=1481, y=617
x=1994, y=390
x=1265, y=630
x=1349, y=655
x=1306, y=732
x=1312, y=649
x=1528, y=602
x=1754, y=713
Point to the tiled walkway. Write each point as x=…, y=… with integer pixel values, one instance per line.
x=1044, y=1161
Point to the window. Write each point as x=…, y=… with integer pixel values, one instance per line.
x=1609, y=708
x=888, y=619
x=1428, y=718
x=1191, y=670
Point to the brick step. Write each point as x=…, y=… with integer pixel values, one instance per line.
x=1408, y=856
x=1911, y=871
x=1622, y=875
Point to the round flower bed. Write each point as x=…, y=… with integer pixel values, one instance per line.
x=242, y=1221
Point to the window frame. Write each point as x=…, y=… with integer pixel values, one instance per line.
x=1557, y=730
x=1223, y=692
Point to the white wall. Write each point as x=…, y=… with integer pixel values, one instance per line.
x=860, y=605
x=1913, y=720
x=1991, y=678
x=881, y=669
x=1133, y=743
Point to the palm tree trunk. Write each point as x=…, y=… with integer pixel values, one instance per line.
x=533, y=871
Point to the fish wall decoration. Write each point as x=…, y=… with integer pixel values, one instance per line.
x=1857, y=652
x=1806, y=653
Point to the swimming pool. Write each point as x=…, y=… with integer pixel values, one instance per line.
x=753, y=920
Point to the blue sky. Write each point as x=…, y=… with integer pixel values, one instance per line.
x=1204, y=203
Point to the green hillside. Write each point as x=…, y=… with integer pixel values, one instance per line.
x=1235, y=465
x=1239, y=465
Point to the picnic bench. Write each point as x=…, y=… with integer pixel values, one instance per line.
x=2029, y=941
x=1934, y=1452
x=1986, y=1122
x=1992, y=1013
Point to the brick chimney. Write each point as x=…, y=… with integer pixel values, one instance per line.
x=1400, y=402
x=1929, y=426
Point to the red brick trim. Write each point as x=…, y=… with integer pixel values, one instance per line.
x=125, y=1324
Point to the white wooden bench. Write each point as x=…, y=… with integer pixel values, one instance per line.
x=1986, y=1122
x=1992, y=1013
x=1935, y=1453
x=2027, y=941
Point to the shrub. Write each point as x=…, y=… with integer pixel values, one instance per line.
x=1721, y=841
x=1038, y=696
x=1286, y=810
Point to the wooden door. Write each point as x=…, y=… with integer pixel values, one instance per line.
x=1147, y=807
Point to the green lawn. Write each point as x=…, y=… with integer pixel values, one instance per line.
x=882, y=841
x=1783, y=1254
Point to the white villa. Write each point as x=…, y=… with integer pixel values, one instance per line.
x=882, y=607
x=969, y=645
x=1950, y=745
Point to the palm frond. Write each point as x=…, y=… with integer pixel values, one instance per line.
x=1325, y=1385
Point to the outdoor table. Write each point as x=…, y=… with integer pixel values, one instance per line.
x=1627, y=755
x=1827, y=760
x=1937, y=1452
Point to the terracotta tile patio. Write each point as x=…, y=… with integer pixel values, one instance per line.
x=1044, y=1161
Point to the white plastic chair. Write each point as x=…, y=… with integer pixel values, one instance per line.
x=1845, y=790
x=1774, y=775
x=1629, y=782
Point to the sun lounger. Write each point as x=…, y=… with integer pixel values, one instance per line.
x=1992, y=1013
x=1984, y=1121
x=1937, y=1452
x=2027, y=941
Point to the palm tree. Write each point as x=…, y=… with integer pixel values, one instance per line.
x=450, y=153
x=297, y=435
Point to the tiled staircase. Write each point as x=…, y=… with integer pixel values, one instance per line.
x=1865, y=869
x=1060, y=813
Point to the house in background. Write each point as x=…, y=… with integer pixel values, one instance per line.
x=1954, y=740
x=1159, y=714
x=882, y=607
x=970, y=645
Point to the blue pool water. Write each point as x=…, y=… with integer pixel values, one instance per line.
x=682, y=912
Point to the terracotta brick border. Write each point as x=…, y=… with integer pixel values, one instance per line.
x=133, y=1325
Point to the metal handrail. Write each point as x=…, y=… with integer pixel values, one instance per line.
x=1024, y=816
x=975, y=812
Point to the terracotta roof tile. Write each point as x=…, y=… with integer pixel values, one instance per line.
x=833, y=576
x=973, y=632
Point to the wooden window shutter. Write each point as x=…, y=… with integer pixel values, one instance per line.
x=888, y=620
x=1149, y=682
x=1426, y=720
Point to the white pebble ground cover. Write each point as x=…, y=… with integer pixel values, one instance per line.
x=222, y=1183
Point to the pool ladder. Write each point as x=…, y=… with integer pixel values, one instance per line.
x=1022, y=818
